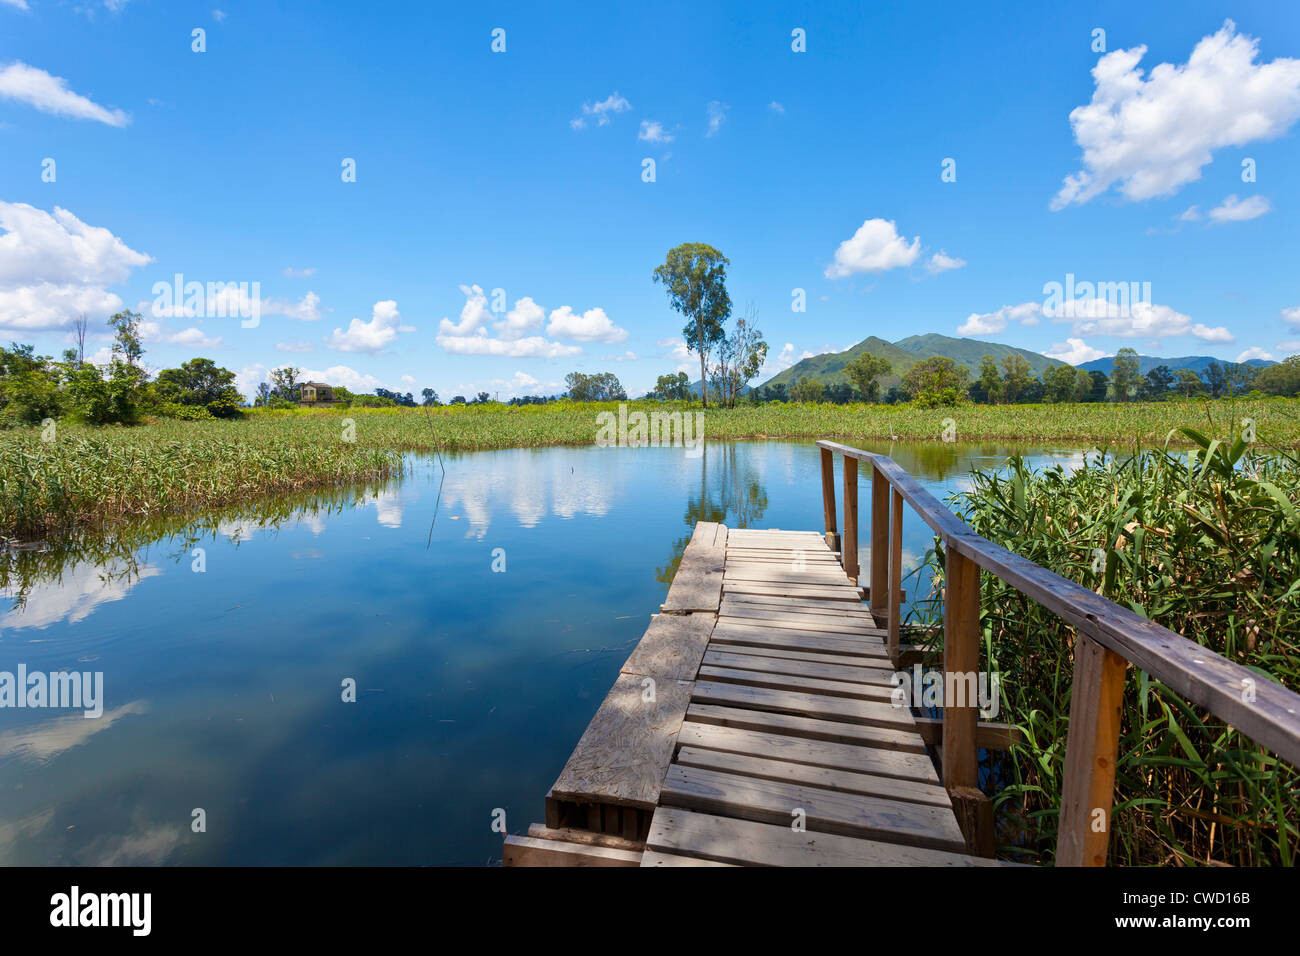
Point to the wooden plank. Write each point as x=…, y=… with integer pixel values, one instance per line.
x=802, y=605
x=854, y=674
x=741, y=586
x=867, y=712
x=728, y=631
x=865, y=759
x=809, y=728
x=747, y=843
x=895, y=571
x=672, y=647
x=825, y=811
x=697, y=585
x=828, y=491
x=848, y=660
x=705, y=534
x=824, y=778
x=659, y=858
x=789, y=618
x=621, y=756
x=1092, y=743
x=797, y=683
x=539, y=831
x=529, y=851
x=849, y=544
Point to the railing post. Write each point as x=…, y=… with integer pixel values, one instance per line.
x=895, y=573
x=1091, y=749
x=961, y=659
x=880, y=597
x=828, y=498
x=849, y=542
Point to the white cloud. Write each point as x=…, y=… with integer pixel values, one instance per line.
x=653, y=132
x=1144, y=320
x=344, y=375
x=989, y=323
x=151, y=331
x=232, y=300
x=531, y=347
x=53, y=267
x=677, y=351
x=776, y=107
x=474, y=316
x=1288, y=348
x=601, y=110
x=219, y=15
x=592, y=326
x=1233, y=209
x=1151, y=136
x=1190, y=214
x=1074, y=352
x=717, y=116
x=527, y=316
x=296, y=347
x=20, y=4
x=875, y=247
x=50, y=94
x=942, y=262
x=370, y=337
x=293, y=273
x=1292, y=316
x=1253, y=353
x=248, y=378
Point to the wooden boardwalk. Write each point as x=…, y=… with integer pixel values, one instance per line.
x=770, y=737
x=753, y=724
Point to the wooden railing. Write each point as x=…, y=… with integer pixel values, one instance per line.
x=1108, y=638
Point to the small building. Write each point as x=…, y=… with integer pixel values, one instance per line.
x=315, y=393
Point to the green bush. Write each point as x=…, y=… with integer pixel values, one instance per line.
x=190, y=413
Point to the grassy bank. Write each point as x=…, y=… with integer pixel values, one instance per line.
x=88, y=475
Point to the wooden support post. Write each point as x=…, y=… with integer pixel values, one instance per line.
x=828, y=490
x=849, y=544
x=895, y=573
x=880, y=597
x=1091, y=748
x=961, y=660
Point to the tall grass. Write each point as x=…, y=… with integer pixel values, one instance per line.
x=1206, y=543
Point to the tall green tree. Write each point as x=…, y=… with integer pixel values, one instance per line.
x=1083, y=386
x=600, y=387
x=1124, y=373
x=695, y=277
x=1280, y=379
x=675, y=386
x=740, y=355
x=1060, y=383
x=1015, y=376
x=937, y=379
x=865, y=372
x=201, y=381
x=126, y=338
x=807, y=390
x=1157, y=383
x=990, y=379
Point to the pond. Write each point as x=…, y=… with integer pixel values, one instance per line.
x=479, y=645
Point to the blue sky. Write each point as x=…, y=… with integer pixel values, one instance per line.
x=523, y=171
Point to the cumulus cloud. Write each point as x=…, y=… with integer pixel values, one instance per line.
x=1150, y=136
x=990, y=323
x=50, y=94
x=296, y=347
x=1233, y=209
x=875, y=247
x=942, y=262
x=776, y=107
x=1292, y=316
x=592, y=326
x=1138, y=320
x=1074, y=352
x=1254, y=352
x=53, y=267
x=527, y=316
x=653, y=132
x=293, y=273
x=370, y=337
x=533, y=346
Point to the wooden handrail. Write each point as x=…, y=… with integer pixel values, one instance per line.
x=1270, y=715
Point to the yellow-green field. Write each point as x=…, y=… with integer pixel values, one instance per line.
x=86, y=475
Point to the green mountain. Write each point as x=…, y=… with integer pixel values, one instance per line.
x=829, y=368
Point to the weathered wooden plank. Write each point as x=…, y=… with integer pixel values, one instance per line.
x=785, y=617
x=672, y=647
x=800, y=605
x=810, y=728
x=846, y=594
x=860, y=758
x=747, y=843
x=722, y=656
x=781, y=574
x=659, y=858
x=826, y=811
x=825, y=778
x=797, y=683
x=869, y=712
x=729, y=632
x=697, y=585
x=539, y=831
x=621, y=756
x=529, y=851
x=1092, y=742
x=759, y=653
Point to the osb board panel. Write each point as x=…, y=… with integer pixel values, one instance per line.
x=625, y=750
x=672, y=647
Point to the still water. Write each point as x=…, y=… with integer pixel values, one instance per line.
x=480, y=644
